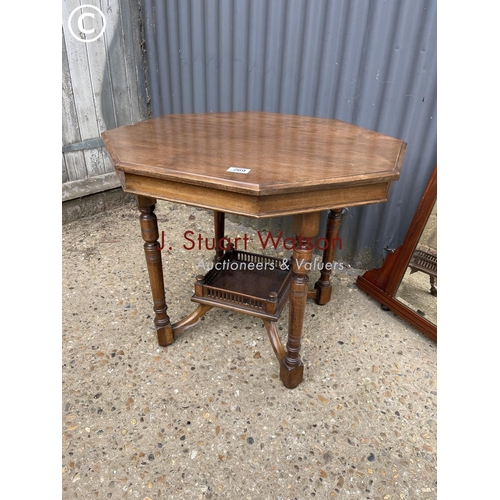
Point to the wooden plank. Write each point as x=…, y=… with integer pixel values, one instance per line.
x=90, y=185
x=115, y=97
x=70, y=128
x=132, y=53
x=84, y=70
x=100, y=84
x=64, y=170
x=81, y=77
x=110, y=89
x=74, y=163
x=108, y=164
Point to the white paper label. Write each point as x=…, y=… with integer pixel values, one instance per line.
x=239, y=170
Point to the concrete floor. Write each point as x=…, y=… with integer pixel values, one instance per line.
x=208, y=417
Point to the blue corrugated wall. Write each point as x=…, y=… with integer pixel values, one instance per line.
x=367, y=62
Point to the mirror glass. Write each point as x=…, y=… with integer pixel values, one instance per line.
x=418, y=288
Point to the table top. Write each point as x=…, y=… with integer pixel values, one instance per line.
x=252, y=153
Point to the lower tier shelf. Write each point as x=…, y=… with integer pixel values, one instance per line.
x=248, y=283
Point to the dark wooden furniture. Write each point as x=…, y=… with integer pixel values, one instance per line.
x=383, y=283
x=260, y=165
x=424, y=259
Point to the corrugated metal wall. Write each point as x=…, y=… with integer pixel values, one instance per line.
x=367, y=62
x=103, y=87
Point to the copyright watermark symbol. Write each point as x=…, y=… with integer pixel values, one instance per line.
x=87, y=23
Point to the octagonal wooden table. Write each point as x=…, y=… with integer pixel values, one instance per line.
x=260, y=165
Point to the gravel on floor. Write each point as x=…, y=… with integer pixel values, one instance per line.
x=208, y=417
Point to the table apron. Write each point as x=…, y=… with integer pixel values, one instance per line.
x=254, y=205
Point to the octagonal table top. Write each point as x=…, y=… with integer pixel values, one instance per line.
x=260, y=156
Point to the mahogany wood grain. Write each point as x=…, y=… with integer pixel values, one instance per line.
x=295, y=165
x=247, y=283
x=219, y=219
x=149, y=229
x=291, y=366
x=323, y=286
x=303, y=151
x=258, y=206
x=276, y=344
x=191, y=319
x=383, y=283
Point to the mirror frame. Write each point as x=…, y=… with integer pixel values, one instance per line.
x=383, y=283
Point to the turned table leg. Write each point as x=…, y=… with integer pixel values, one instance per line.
x=305, y=227
x=323, y=286
x=149, y=230
x=219, y=233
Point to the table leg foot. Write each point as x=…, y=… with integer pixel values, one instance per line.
x=323, y=293
x=291, y=376
x=165, y=335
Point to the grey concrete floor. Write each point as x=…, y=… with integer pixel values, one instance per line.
x=208, y=417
